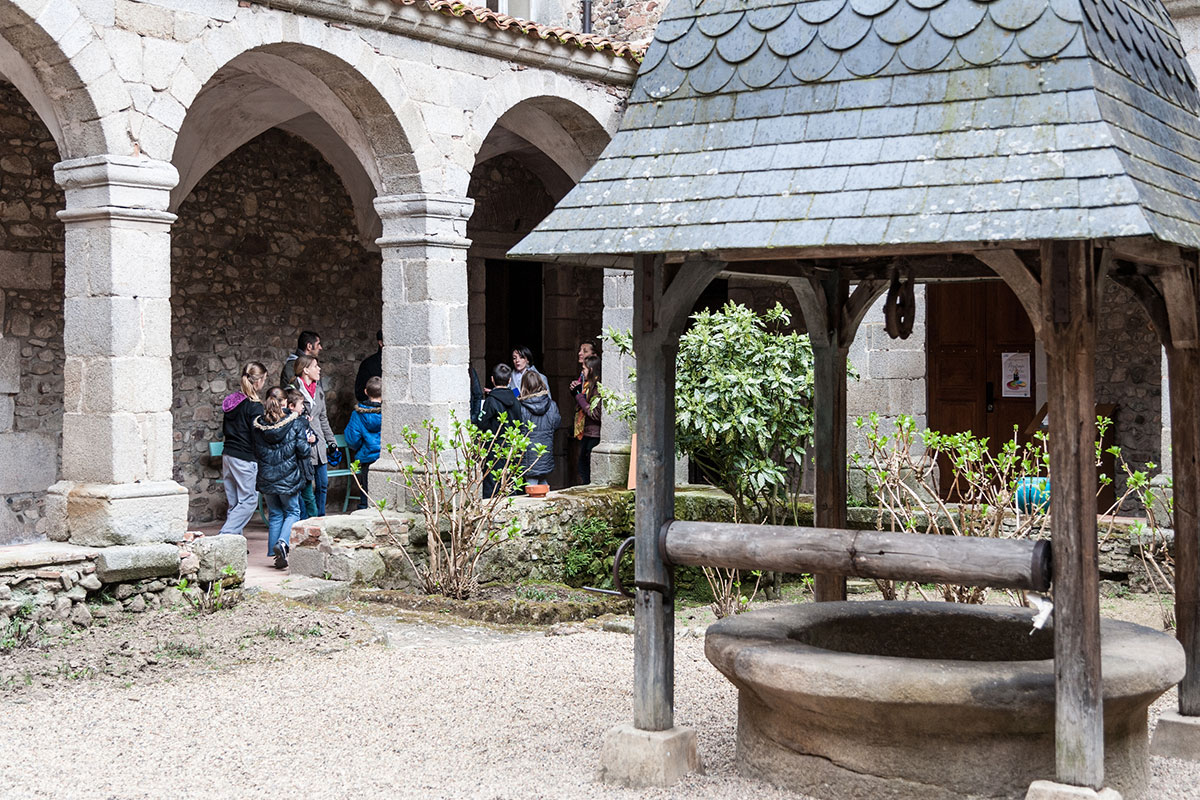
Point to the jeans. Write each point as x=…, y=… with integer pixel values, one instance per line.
x=308, y=504
x=586, y=445
x=283, y=511
x=321, y=487
x=240, y=493
x=364, y=473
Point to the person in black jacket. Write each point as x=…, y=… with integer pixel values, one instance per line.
x=370, y=367
x=239, y=469
x=500, y=409
x=542, y=412
x=280, y=445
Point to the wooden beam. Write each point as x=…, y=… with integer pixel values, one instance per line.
x=1013, y=270
x=923, y=557
x=1068, y=292
x=1151, y=300
x=1145, y=250
x=1178, y=292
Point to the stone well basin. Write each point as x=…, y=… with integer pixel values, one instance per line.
x=923, y=700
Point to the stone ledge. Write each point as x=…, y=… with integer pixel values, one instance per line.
x=37, y=554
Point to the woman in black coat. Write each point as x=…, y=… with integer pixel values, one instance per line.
x=280, y=445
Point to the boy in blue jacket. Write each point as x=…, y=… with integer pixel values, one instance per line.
x=362, y=433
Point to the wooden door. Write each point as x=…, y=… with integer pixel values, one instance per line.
x=969, y=327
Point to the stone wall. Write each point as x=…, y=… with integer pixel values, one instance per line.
x=265, y=246
x=46, y=587
x=31, y=313
x=1129, y=374
x=627, y=20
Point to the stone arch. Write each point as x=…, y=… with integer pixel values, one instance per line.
x=54, y=57
x=560, y=123
x=324, y=84
x=533, y=141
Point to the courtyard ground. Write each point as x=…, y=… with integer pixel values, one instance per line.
x=357, y=700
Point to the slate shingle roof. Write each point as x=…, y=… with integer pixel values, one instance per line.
x=875, y=122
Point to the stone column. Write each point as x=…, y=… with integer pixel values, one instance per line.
x=426, y=338
x=116, y=485
x=1162, y=481
x=610, y=459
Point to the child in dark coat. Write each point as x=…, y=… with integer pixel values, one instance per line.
x=362, y=433
x=280, y=447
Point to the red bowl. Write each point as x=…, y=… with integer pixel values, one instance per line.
x=536, y=490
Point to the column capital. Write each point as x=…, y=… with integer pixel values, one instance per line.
x=424, y=219
x=116, y=187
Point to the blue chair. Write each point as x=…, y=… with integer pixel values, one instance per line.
x=216, y=449
x=345, y=472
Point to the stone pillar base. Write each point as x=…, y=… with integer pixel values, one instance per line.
x=387, y=483
x=1049, y=790
x=1176, y=736
x=610, y=464
x=637, y=758
x=103, y=515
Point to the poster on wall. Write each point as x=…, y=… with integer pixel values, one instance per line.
x=1015, y=375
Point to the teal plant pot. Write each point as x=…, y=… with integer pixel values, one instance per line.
x=1033, y=494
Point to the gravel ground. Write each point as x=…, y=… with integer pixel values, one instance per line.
x=445, y=711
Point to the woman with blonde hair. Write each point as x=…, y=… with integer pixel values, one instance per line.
x=238, y=466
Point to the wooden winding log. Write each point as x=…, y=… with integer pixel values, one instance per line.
x=926, y=558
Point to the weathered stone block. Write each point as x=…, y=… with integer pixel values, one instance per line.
x=29, y=462
x=350, y=527
x=1049, y=790
x=102, y=515
x=1176, y=736
x=637, y=758
x=307, y=561
x=218, y=552
x=20, y=270
x=131, y=562
x=361, y=565
x=10, y=366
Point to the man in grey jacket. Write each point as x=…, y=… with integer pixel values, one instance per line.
x=308, y=344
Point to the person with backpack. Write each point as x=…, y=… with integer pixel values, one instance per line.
x=280, y=447
x=500, y=409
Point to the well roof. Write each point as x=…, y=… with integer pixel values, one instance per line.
x=766, y=124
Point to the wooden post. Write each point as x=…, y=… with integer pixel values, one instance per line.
x=664, y=306
x=832, y=316
x=1183, y=365
x=829, y=454
x=1068, y=289
x=1173, y=305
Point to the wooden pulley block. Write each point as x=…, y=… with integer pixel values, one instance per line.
x=900, y=308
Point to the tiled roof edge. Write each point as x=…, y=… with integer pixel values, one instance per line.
x=548, y=33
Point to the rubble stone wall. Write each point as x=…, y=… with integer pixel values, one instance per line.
x=1129, y=374
x=627, y=20
x=265, y=246
x=31, y=315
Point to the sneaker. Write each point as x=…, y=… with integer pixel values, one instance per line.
x=281, y=551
